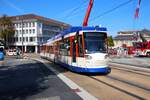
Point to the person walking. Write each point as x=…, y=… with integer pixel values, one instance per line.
x=2, y=57
x=17, y=52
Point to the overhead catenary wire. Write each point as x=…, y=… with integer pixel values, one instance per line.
x=76, y=9
x=111, y=10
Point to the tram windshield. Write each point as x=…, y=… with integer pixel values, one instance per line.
x=95, y=42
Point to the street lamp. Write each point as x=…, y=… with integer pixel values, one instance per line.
x=22, y=33
x=18, y=19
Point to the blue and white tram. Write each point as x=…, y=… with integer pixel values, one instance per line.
x=80, y=49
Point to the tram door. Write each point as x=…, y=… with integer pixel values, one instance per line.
x=73, y=52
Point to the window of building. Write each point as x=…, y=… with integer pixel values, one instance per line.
x=19, y=25
x=29, y=24
x=13, y=25
x=26, y=31
x=40, y=25
x=33, y=30
x=23, y=24
x=26, y=39
x=31, y=39
x=20, y=39
x=23, y=31
x=20, y=31
x=34, y=38
x=16, y=39
x=23, y=39
x=30, y=31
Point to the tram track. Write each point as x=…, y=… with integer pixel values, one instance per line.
x=130, y=68
x=119, y=82
x=130, y=83
x=120, y=89
x=113, y=81
x=132, y=71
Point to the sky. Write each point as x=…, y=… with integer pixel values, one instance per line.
x=73, y=12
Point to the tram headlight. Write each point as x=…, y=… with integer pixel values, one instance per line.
x=88, y=57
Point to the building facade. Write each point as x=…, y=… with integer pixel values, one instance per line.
x=128, y=37
x=32, y=30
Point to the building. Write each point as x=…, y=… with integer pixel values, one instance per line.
x=128, y=37
x=32, y=30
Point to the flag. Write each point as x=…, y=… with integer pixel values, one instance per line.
x=136, y=13
x=137, y=10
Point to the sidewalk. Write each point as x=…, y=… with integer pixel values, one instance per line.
x=133, y=61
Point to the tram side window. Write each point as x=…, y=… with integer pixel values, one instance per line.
x=62, y=50
x=51, y=49
x=48, y=49
x=67, y=46
x=64, y=47
x=60, y=47
x=80, y=46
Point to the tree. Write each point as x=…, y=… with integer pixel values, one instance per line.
x=110, y=41
x=6, y=30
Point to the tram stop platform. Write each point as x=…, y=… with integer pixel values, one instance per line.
x=142, y=62
x=31, y=80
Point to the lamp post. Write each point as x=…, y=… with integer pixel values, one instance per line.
x=22, y=34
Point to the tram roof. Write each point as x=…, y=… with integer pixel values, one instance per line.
x=76, y=29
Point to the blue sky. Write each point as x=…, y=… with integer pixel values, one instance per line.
x=120, y=19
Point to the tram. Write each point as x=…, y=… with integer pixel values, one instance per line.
x=79, y=49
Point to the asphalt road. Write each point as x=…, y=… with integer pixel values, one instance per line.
x=31, y=80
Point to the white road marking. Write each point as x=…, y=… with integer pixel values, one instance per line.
x=83, y=94
x=50, y=98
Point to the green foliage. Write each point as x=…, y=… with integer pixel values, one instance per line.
x=110, y=41
x=6, y=30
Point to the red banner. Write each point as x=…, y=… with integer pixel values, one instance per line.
x=137, y=10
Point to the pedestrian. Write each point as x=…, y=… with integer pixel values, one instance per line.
x=17, y=52
x=1, y=57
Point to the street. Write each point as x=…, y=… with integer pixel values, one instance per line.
x=30, y=80
x=33, y=79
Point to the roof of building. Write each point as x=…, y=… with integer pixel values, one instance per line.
x=44, y=19
x=131, y=35
x=144, y=31
x=125, y=37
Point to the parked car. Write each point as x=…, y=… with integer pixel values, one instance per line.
x=11, y=52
